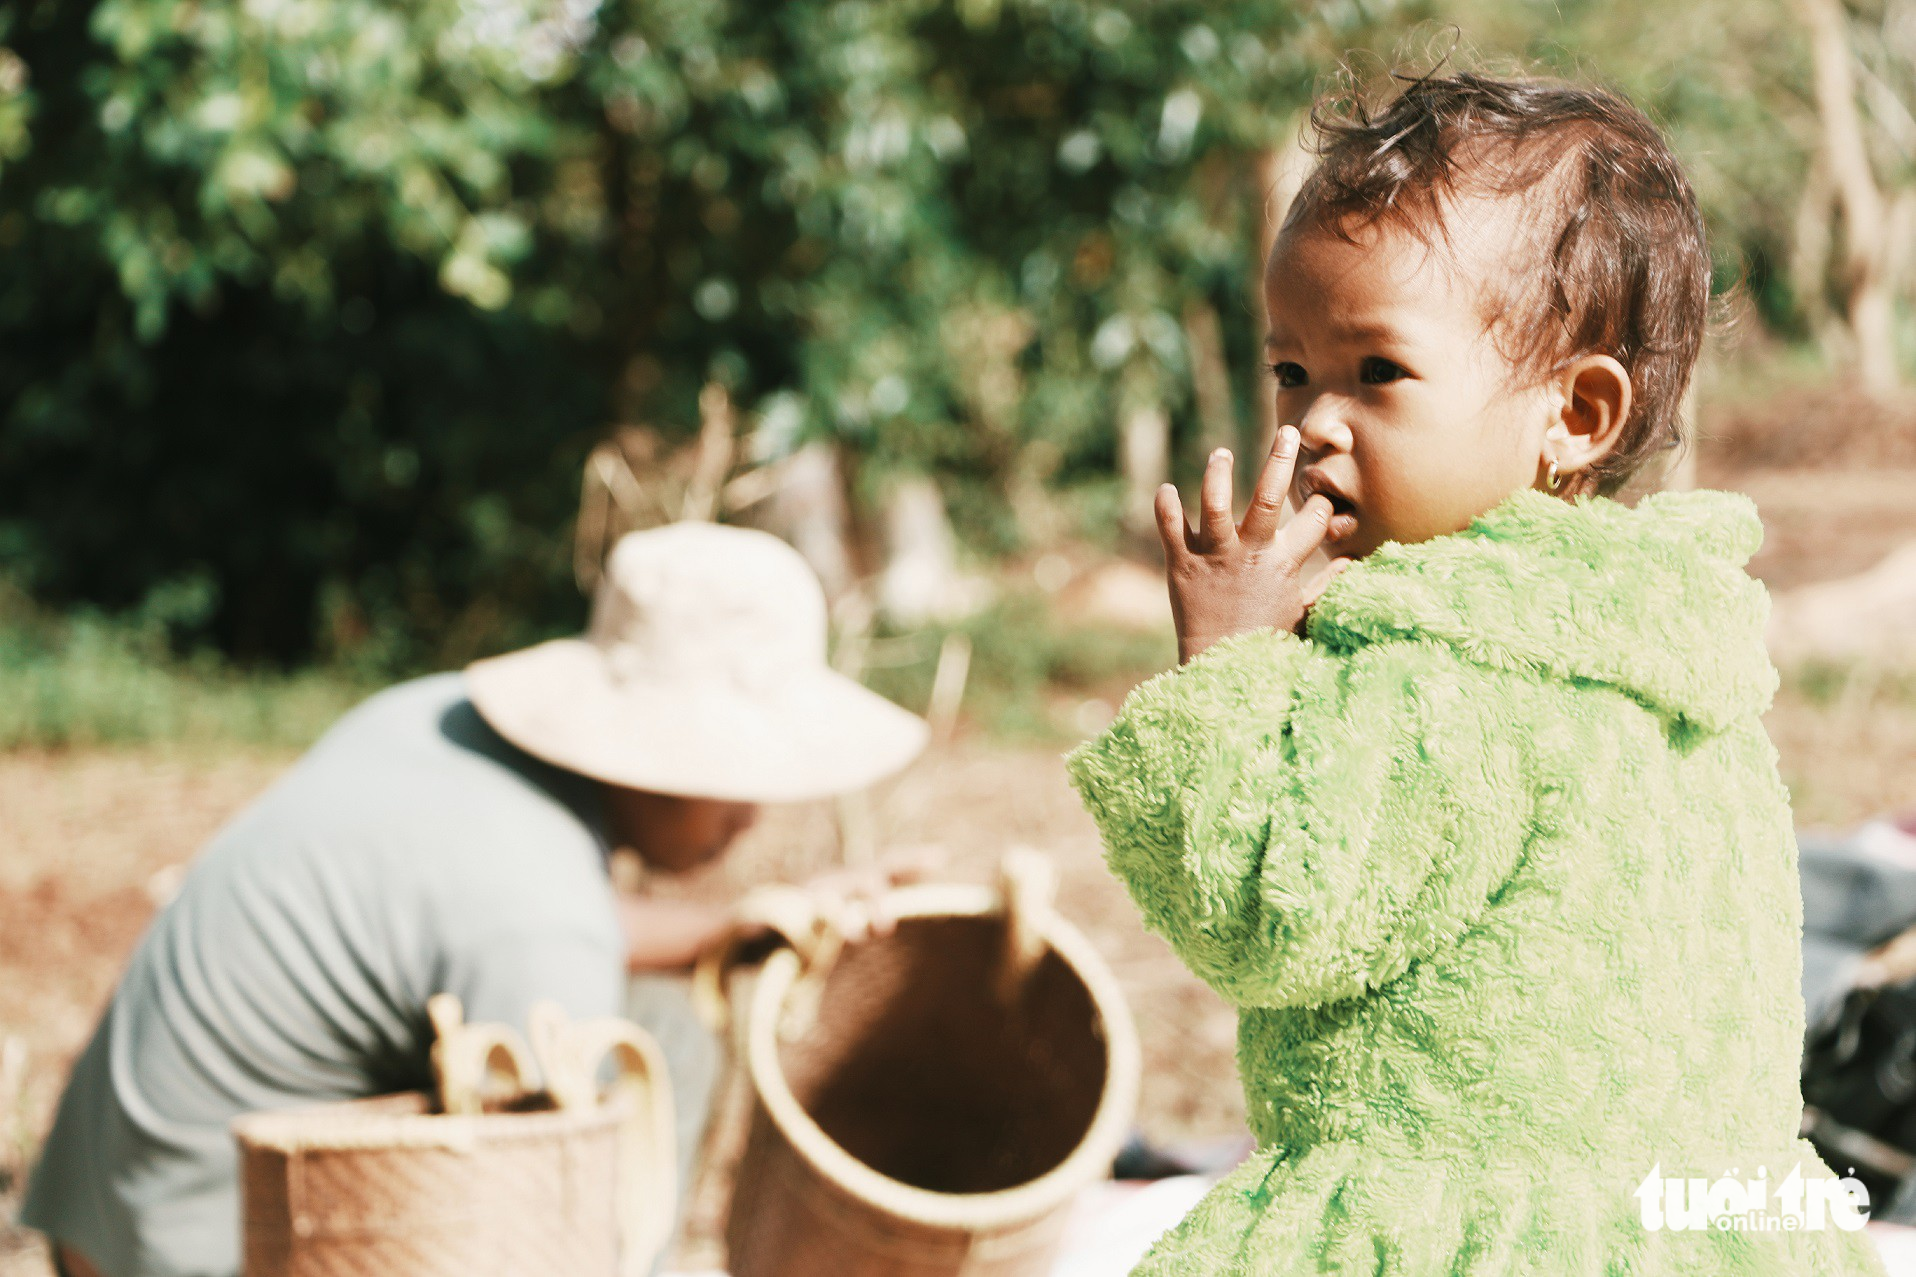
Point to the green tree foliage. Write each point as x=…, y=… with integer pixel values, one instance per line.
x=309, y=309
x=257, y=367
x=1733, y=85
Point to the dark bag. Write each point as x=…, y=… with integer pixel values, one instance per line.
x=1859, y=991
x=1859, y=1089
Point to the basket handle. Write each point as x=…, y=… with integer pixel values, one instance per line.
x=571, y=1056
x=1028, y=881
x=464, y=1054
x=790, y=913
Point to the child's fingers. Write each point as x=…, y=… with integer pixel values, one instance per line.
x=1306, y=532
x=1172, y=529
x=1322, y=581
x=1217, y=530
x=1267, y=499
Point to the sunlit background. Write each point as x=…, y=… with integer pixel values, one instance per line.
x=338, y=338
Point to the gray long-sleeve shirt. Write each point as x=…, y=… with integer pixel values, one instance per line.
x=410, y=851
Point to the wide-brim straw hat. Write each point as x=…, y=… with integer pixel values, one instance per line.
x=702, y=674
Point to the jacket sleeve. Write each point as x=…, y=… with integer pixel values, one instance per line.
x=1302, y=824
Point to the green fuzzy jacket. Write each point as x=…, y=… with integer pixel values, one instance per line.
x=1497, y=864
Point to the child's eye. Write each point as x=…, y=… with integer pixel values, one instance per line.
x=1375, y=371
x=1289, y=374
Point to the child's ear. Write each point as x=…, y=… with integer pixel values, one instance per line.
x=1593, y=402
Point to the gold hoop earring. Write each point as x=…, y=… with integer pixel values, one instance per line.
x=1552, y=478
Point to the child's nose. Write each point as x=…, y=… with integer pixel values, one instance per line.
x=1323, y=427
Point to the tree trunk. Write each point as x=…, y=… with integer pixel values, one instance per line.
x=1902, y=242
x=808, y=509
x=1280, y=172
x=1210, y=378
x=712, y=456
x=1812, y=237
x=1869, y=303
x=1144, y=447
x=920, y=583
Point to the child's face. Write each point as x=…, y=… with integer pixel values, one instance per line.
x=1410, y=418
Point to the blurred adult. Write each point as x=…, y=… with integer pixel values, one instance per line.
x=453, y=834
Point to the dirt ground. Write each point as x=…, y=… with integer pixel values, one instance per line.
x=92, y=840
x=89, y=841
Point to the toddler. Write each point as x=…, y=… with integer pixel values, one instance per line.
x=1479, y=826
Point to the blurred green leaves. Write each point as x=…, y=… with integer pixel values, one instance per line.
x=323, y=301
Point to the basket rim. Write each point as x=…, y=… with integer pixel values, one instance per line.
x=1110, y=1121
x=376, y=1122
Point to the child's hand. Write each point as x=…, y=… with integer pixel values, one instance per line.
x=1230, y=579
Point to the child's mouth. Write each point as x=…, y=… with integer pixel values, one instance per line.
x=1343, y=517
x=1343, y=520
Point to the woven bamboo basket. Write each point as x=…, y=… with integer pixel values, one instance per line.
x=560, y=1180
x=929, y=1103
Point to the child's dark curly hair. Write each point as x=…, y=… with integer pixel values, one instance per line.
x=1615, y=262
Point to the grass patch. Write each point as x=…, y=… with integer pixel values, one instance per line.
x=1846, y=741
x=1831, y=683
x=85, y=680
x=1036, y=677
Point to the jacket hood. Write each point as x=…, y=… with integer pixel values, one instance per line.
x=1652, y=599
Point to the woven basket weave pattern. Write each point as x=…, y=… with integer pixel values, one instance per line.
x=938, y=1129
x=377, y=1188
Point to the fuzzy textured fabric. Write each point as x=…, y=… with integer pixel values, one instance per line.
x=1498, y=867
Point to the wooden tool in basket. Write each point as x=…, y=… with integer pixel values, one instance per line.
x=926, y=1103
x=472, y=1183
